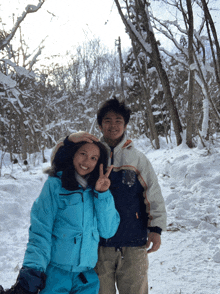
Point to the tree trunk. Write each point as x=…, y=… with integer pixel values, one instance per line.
x=22, y=137
x=121, y=66
x=146, y=95
x=155, y=57
x=209, y=21
x=189, y=128
x=205, y=90
x=205, y=120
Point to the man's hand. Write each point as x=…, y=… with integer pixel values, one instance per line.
x=82, y=136
x=155, y=239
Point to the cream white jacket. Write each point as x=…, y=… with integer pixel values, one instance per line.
x=127, y=157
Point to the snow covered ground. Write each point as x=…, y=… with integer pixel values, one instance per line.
x=189, y=259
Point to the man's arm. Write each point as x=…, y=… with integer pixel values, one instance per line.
x=82, y=136
x=155, y=206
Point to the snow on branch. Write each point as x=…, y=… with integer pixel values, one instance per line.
x=7, y=81
x=177, y=57
x=28, y=9
x=21, y=71
x=145, y=45
x=34, y=59
x=133, y=33
x=168, y=32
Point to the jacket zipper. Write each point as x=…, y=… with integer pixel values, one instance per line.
x=112, y=155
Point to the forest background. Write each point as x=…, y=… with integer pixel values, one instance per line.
x=171, y=88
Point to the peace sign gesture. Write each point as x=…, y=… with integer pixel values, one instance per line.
x=103, y=182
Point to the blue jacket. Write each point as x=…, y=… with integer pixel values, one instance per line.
x=66, y=227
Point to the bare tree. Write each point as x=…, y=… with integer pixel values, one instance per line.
x=146, y=97
x=193, y=56
x=190, y=25
x=210, y=25
x=150, y=48
x=6, y=39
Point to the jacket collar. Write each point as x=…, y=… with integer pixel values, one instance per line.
x=125, y=143
x=59, y=174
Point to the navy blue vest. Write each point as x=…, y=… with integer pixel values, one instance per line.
x=129, y=202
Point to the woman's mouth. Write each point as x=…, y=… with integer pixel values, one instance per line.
x=84, y=167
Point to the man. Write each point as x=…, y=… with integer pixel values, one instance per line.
x=123, y=258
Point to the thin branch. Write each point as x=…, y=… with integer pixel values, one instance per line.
x=28, y=9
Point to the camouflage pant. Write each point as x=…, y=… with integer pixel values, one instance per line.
x=126, y=267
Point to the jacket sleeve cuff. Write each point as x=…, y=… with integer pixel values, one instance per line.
x=101, y=195
x=155, y=230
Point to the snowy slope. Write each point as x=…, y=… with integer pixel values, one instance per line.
x=189, y=259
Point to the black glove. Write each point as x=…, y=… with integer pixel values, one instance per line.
x=28, y=278
x=1, y=290
x=31, y=280
x=16, y=289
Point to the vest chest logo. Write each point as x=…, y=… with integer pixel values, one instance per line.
x=128, y=177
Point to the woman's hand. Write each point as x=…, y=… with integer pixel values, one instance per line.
x=82, y=136
x=103, y=182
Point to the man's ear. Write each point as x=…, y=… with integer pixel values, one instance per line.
x=100, y=127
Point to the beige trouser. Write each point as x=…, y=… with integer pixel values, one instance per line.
x=127, y=268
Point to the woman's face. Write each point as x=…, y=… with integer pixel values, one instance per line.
x=86, y=158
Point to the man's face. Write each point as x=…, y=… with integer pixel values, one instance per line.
x=113, y=127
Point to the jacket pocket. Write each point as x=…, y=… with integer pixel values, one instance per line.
x=95, y=235
x=70, y=200
x=66, y=245
x=128, y=177
x=95, y=242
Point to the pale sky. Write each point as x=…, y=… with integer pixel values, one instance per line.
x=67, y=23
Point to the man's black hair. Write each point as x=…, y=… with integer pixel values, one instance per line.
x=66, y=166
x=115, y=106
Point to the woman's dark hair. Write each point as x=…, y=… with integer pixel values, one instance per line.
x=65, y=164
x=115, y=106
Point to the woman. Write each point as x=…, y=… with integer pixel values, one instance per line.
x=74, y=208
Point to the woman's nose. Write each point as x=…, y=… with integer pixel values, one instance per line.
x=85, y=160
